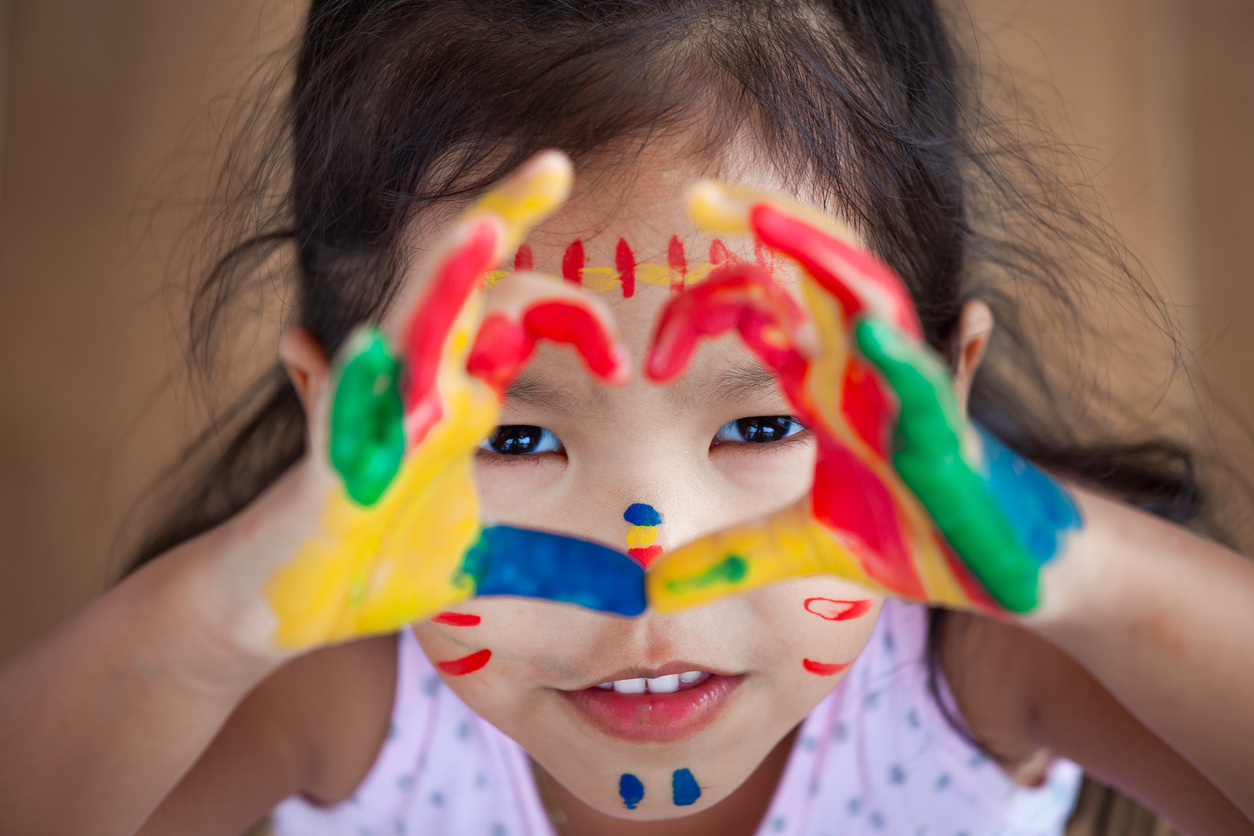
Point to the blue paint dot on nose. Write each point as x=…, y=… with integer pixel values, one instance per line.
x=630, y=788
x=684, y=788
x=641, y=514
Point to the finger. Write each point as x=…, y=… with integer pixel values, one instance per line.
x=367, y=436
x=787, y=544
x=525, y=308
x=825, y=248
x=741, y=296
x=929, y=421
x=493, y=225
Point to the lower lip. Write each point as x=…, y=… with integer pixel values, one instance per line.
x=655, y=717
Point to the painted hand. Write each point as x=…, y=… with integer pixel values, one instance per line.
x=909, y=498
x=401, y=536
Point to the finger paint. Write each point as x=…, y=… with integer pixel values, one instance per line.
x=524, y=260
x=823, y=668
x=833, y=610
x=730, y=570
x=366, y=435
x=644, y=520
x=631, y=790
x=539, y=564
x=684, y=789
x=467, y=664
x=457, y=619
x=625, y=263
x=572, y=262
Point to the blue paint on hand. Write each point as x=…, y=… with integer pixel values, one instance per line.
x=1040, y=511
x=540, y=564
x=630, y=788
x=641, y=514
x=684, y=788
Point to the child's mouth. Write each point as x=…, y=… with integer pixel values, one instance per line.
x=665, y=707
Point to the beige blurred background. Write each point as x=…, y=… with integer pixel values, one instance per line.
x=110, y=110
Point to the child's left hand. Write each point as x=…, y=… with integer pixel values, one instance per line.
x=909, y=497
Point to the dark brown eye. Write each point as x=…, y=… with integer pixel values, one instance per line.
x=520, y=440
x=759, y=430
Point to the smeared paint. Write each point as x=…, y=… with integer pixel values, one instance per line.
x=625, y=262
x=887, y=524
x=457, y=619
x=366, y=437
x=823, y=668
x=730, y=570
x=677, y=263
x=538, y=564
x=833, y=610
x=639, y=513
x=524, y=259
x=631, y=790
x=684, y=789
x=572, y=262
x=467, y=664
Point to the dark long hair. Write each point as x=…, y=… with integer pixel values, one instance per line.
x=864, y=106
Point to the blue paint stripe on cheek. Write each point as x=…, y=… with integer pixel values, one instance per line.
x=630, y=788
x=684, y=788
x=540, y=564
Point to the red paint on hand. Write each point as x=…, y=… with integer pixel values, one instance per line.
x=823, y=668
x=833, y=610
x=572, y=262
x=848, y=273
x=466, y=664
x=645, y=555
x=457, y=619
x=625, y=263
x=455, y=279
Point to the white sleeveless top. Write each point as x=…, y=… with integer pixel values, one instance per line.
x=876, y=756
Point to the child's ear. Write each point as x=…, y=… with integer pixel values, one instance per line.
x=975, y=326
x=306, y=365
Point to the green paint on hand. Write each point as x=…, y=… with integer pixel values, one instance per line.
x=730, y=570
x=1004, y=522
x=367, y=433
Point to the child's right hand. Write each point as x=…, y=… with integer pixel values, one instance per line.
x=387, y=529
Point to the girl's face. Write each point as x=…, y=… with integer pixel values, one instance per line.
x=697, y=699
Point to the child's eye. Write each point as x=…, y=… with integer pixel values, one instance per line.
x=520, y=440
x=759, y=430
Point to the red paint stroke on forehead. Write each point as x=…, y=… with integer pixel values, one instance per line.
x=833, y=610
x=823, y=668
x=466, y=664
x=677, y=262
x=572, y=262
x=523, y=259
x=457, y=619
x=645, y=555
x=625, y=263
x=719, y=252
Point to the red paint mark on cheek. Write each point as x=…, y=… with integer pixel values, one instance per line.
x=466, y=664
x=625, y=263
x=645, y=555
x=823, y=668
x=678, y=263
x=833, y=610
x=457, y=619
x=523, y=259
x=572, y=262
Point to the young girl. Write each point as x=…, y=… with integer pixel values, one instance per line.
x=654, y=587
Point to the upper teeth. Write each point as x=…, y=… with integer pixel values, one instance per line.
x=668, y=684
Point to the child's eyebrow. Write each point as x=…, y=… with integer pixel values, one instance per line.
x=530, y=390
x=740, y=382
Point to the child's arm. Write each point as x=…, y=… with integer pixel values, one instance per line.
x=102, y=716
x=912, y=499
